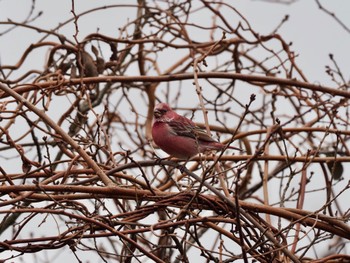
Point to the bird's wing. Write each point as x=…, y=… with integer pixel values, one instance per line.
x=185, y=127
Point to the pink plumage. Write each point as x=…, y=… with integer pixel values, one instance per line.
x=178, y=136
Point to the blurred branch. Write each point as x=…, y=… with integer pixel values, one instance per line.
x=259, y=80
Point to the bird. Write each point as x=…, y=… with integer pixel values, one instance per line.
x=179, y=136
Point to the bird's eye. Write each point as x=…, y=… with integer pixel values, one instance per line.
x=161, y=111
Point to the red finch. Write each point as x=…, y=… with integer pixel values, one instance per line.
x=178, y=136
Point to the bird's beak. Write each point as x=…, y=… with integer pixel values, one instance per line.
x=157, y=114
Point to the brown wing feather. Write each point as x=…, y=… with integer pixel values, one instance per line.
x=187, y=128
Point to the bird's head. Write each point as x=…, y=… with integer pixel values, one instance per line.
x=160, y=110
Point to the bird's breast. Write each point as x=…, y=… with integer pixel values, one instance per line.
x=160, y=131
